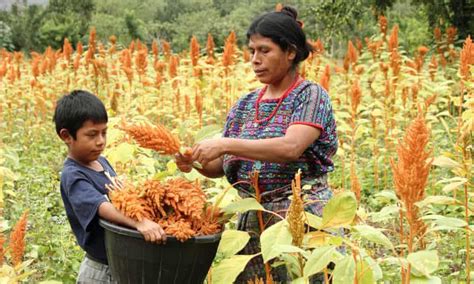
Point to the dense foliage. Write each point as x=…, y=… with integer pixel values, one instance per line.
x=36, y=27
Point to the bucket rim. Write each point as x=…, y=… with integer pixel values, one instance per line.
x=112, y=227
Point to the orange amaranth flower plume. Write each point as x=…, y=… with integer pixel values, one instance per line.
x=194, y=51
x=17, y=239
x=155, y=137
x=410, y=173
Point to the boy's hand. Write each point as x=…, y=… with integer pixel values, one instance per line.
x=151, y=231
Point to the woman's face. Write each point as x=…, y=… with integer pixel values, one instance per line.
x=270, y=63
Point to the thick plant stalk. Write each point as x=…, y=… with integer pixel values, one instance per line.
x=254, y=180
x=467, y=60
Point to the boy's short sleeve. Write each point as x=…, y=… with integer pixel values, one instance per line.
x=313, y=108
x=85, y=201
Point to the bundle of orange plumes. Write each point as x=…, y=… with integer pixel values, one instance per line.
x=177, y=204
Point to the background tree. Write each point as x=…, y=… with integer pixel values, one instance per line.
x=5, y=36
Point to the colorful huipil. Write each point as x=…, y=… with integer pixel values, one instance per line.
x=253, y=118
x=307, y=104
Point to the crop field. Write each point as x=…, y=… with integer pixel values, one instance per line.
x=404, y=161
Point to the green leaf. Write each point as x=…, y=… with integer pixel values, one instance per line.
x=228, y=269
x=339, y=211
x=313, y=220
x=425, y=280
x=445, y=162
x=171, y=167
x=365, y=275
x=385, y=213
x=277, y=234
x=123, y=153
x=243, y=205
x=449, y=222
x=375, y=267
x=319, y=259
x=436, y=199
x=374, y=235
x=423, y=262
x=386, y=196
x=317, y=239
x=344, y=271
x=208, y=131
x=292, y=264
x=454, y=185
x=291, y=249
x=232, y=241
x=301, y=280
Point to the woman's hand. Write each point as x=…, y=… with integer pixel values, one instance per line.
x=184, y=161
x=208, y=150
x=151, y=231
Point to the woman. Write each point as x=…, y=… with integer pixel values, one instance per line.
x=285, y=126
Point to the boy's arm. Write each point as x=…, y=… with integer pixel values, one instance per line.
x=149, y=229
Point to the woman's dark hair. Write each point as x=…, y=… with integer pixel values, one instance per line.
x=73, y=109
x=284, y=30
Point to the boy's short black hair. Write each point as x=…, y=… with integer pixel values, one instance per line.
x=73, y=109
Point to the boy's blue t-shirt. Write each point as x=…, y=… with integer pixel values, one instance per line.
x=83, y=190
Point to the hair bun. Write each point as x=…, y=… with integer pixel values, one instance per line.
x=290, y=11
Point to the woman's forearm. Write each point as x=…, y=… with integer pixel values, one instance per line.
x=283, y=149
x=275, y=150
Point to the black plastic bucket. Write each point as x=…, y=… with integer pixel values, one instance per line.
x=133, y=260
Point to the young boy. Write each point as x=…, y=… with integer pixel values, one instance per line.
x=81, y=122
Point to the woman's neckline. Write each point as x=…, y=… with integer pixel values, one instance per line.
x=279, y=100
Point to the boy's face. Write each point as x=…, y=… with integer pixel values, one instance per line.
x=89, y=143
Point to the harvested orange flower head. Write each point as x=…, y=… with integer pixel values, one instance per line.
x=156, y=137
x=178, y=205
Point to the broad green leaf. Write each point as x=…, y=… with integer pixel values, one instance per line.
x=423, y=262
x=292, y=264
x=344, y=271
x=316, y=239
x=445, y=221
x=339, y=211
x=243, y=205
x=400, y=261
x=374, y=235
x=232, y=241
x=425, y=280
x=436, y=199
x=319, y=259
x=313, y=220
x=445, y=162
x=171, y=167
x=301, y=280
x=123, y=153
x=386, y=196
x=454, y=185
x=277, y=234
x=376, y=270
x=365, y=275
x=207, y=132
x=385, y=213
x=291, y=249
x=228, y=269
